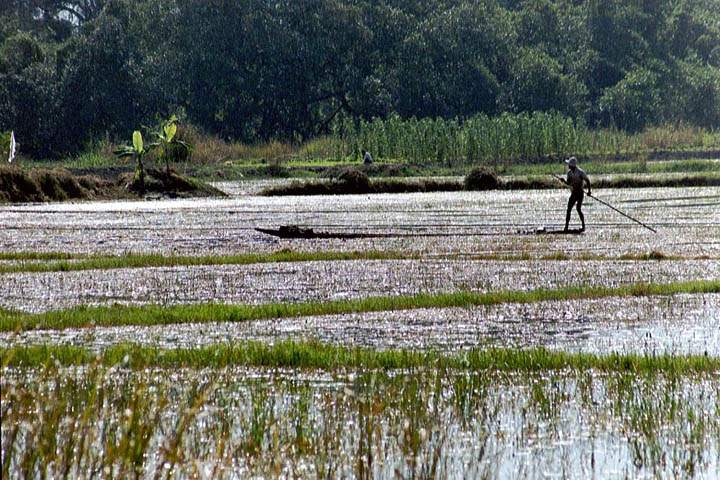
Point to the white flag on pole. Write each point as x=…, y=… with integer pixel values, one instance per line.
x=13, y=146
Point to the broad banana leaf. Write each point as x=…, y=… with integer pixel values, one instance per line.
x=137, y=141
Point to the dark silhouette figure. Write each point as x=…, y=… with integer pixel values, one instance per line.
x=577, y=179
x=367, y=158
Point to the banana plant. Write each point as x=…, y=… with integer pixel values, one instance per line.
x=167, y=140
x=137, y=151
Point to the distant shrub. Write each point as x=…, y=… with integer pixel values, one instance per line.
x=481, y=179
x=353, y=180
x=4, y=146
x=208, y=149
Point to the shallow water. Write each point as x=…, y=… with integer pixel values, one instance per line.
x=378, y=424
x=679, y=324
x=331, y=280
x=688, y=220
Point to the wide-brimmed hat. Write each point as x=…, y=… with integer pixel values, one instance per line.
x=572, y=162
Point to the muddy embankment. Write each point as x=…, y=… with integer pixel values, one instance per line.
x=58, y=184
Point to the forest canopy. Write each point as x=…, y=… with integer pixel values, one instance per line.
x=249, y=70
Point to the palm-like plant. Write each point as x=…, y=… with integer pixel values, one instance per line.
x=137, y=151
x=167, y=141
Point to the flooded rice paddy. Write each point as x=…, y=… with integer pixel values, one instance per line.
x=688, y=221
x=235, y=423
x=428, y=424
x=325, y=281
x=678, y=325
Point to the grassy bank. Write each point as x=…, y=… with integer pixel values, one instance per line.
x=521, y=144
x=38, y=256
x=116, y=315
x=614, y=168
x=239, y=169
x=315, y=355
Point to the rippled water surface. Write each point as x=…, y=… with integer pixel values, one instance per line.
x=688, y=221
x=679, y=324
x=307, y=281
x=380, y=425
x=239, y=422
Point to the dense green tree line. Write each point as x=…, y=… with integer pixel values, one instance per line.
x=73, y=71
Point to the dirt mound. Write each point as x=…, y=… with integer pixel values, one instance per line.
x=18, y=186
x=168, y=184
x=481, y=179
x=351, y=180
x=48, y=185
x=57, y=184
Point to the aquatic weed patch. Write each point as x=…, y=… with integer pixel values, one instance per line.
x=359, y=423
x=117, y=315
x=316, y=355
x=37, y=262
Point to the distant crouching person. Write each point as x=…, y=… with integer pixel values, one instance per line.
x=367, y=158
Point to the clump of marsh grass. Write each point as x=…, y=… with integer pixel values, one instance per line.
x=422, y=422
x=314, y=355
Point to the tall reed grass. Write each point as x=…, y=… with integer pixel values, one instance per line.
x=505, y=138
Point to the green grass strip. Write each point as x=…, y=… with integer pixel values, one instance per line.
x=157, y=260
x=42, y=256
x=72, y=262
x=314, y=355
x=118, y=315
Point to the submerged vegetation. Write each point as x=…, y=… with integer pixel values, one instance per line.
x=117, y=315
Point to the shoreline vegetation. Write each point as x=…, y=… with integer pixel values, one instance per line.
x=316, y=355
x=522, y=149
x=376, y=186
x=146, y=315
x=297, y=166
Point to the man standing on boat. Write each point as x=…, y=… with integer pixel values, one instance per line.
x=576, y=179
